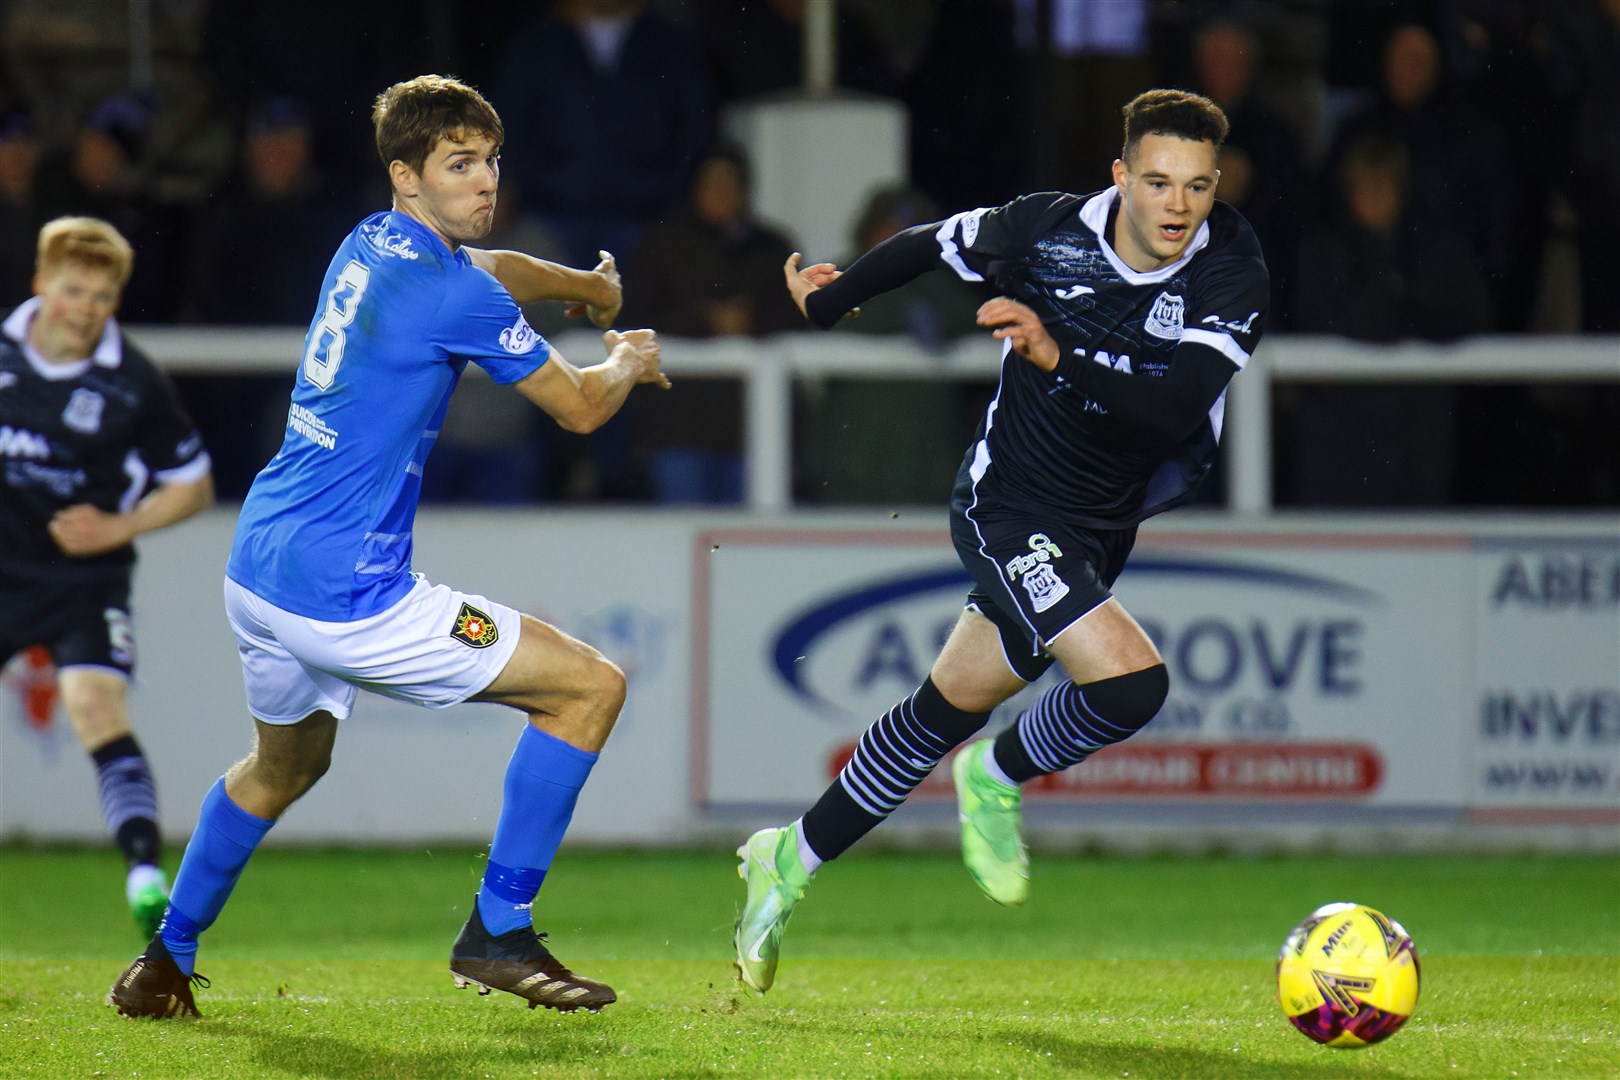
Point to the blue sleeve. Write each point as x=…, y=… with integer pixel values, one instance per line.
x=479, y=321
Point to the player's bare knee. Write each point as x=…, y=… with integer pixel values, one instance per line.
x=605, y=689
x=968, y=695
x=98, y=715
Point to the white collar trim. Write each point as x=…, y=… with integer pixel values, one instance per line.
x=1095, y=216
x=109, y=351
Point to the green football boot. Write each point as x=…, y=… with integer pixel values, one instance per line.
x=992, y=832
x=776, y=878
x=148, y=900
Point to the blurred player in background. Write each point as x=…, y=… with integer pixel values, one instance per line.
x=319, y=588
x=97, y=450
x=1123, y=315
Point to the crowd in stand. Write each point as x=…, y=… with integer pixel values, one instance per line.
x=1415, y=170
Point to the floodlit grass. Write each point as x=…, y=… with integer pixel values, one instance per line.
x=331, y=964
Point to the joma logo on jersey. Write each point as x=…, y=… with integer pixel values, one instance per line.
x=520, y=337
x=20, y=443
x=1166, y=318
x=1041, y=549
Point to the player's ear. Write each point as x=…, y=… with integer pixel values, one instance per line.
x=1120, y=172
x=403, y=178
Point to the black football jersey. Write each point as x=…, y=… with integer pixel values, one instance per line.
x=1127, y=424
x=102, y=431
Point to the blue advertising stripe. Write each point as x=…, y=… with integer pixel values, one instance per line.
x=1258, y=575
x=795, y=640
x=798, y=637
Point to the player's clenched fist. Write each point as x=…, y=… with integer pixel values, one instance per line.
x=641, y=347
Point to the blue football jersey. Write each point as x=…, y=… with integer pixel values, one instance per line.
x=325, y=531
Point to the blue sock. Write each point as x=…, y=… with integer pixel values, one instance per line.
x=543, y=781
x=224, y=839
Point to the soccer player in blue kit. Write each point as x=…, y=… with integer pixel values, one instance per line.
x=1123, y=315
x=319, y=589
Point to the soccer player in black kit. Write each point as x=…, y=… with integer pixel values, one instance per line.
x=95, y=450
x=1123, y=315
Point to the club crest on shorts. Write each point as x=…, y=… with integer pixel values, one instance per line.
x=1045, y=587
x=1040, y=579
x=474, y=628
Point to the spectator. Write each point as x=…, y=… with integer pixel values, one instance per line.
x=130, y=123
x=1083, y=52
x=1584, y=65
x=99, y=174
x=848, y=427
x=933, y=309
x=277, y=192
x=711, y=271
x=1262, y=171
x=1460, y=192
x=614, y=102
x=255, y=246
x=1372, y=277
x=257, y=52
x=1373, y=273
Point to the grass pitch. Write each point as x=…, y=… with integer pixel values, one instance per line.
x=332, y=964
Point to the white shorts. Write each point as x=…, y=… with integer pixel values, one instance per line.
x=433, y=648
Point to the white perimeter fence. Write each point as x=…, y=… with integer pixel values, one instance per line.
x=1353, y=680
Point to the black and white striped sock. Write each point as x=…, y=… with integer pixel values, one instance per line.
x=128, y=799
x=891, y=759
x=1069, y=723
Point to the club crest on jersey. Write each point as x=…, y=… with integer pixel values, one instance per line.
x=520, y=337
x=1166, y=318
x=474, y=628
x=83, y=412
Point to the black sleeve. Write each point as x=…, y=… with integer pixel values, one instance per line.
x=1225, y=317
x=973, y=244
x=902, y=257
x=167, y=439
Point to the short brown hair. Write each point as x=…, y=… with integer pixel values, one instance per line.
x=84, y=241
x=411, y=117
x=1177, y=113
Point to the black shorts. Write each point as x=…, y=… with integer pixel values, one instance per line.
x=1035, y=576
x=79, y=622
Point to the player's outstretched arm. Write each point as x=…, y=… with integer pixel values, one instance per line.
x=597, y=294
x=83, y=530
x=583, y=399
x=825, y=294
